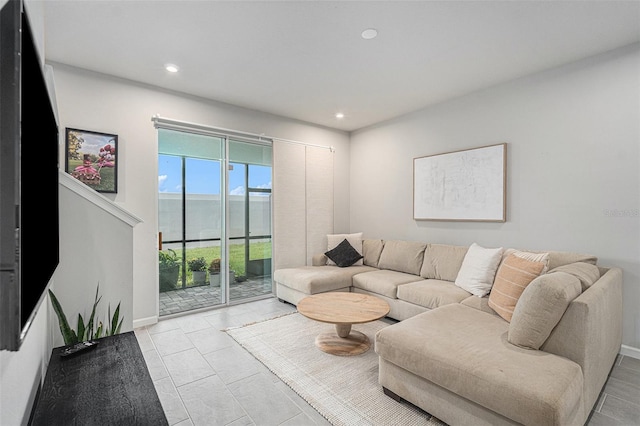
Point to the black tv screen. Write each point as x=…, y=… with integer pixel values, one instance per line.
x=29, y=238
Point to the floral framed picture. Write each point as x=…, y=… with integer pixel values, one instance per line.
x=91, y=157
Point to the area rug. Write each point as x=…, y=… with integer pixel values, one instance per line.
x=343, y=389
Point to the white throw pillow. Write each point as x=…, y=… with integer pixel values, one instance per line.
x=532, y=256
x=354, y=239
x=478, y=269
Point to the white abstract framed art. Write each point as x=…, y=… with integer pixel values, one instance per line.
x=464, y=185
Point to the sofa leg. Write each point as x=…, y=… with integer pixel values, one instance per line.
x=392, y=395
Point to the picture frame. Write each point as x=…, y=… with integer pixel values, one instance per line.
x=465, y=185
x=91, y=157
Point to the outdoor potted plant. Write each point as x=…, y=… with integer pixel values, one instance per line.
x=214, y=272
x=198, y=267
x=169, y=269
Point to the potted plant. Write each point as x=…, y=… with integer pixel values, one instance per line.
x=198, y=267
x=86, y=330
x=214, y=272
x=169, y=268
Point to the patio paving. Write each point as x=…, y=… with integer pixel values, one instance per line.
x=190, y=298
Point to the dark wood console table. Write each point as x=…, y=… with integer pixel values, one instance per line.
x=106, y=385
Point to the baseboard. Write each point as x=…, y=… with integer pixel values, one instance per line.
x=145, y=321
x=630, y=351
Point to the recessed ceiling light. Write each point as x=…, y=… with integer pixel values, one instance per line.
x=171, y=68
x=369, y=33
x=339, y=115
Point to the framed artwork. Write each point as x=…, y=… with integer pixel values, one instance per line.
x=91, y=157
x=466, y=185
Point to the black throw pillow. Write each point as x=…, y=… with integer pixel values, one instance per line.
x=344, y=254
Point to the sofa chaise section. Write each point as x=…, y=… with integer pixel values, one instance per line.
x=457, y=363
x=293, y=284
x=465, y=352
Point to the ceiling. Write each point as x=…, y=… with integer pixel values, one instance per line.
x=307, y=60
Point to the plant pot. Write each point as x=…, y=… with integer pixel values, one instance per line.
x=214, y=279
x=259, y=267
x=169, y=278
x=199, y=277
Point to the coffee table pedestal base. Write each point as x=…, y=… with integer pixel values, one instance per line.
x=355, y=343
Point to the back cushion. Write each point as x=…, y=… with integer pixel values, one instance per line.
x=585, y=272
x=541, y=307
x=402, y=256
x=442, y=262
x=560, y=258
x=371, y=250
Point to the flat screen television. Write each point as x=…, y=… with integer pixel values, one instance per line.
x=29, y=164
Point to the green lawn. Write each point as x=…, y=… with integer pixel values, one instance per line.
x=259, y=250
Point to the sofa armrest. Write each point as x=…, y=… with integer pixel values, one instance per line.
x=319, y=260
x=590, y=332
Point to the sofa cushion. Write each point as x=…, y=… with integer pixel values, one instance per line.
x=371, y=250
x=540, y=308
x=442, y=261
x=478, y=269
x=479, y=303
x=529, y=255
x=559, y=258
x=402, y=256
x=318, y=279
x=344, y=254
x=513, y=276
x=432, y=293
x=383, y=281
x=354, y=239
x=465, y=351
x=585, y=272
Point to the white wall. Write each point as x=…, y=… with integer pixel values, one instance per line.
x=573, y=172
x=101, y=103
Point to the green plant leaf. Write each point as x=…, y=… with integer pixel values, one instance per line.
x=99, y=331
x=93, y=313
x=81, y=329
x=68, y=334
x=115, y=328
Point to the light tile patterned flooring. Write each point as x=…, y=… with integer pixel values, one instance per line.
x=203, y=377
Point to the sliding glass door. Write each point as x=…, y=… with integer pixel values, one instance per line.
x=214, y=220
x=249, y=198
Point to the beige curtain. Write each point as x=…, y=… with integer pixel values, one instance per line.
x=302, y=202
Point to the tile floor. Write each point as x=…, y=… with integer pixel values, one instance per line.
x=203, y=377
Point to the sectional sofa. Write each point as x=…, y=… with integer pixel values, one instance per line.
x=532, y=344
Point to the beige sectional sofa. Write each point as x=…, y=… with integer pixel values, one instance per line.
x=454, y=356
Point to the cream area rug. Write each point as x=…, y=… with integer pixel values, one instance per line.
x=343, y=389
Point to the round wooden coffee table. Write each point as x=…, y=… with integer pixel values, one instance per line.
x=343, y=309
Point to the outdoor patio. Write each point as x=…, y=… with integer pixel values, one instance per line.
x=187, y=299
